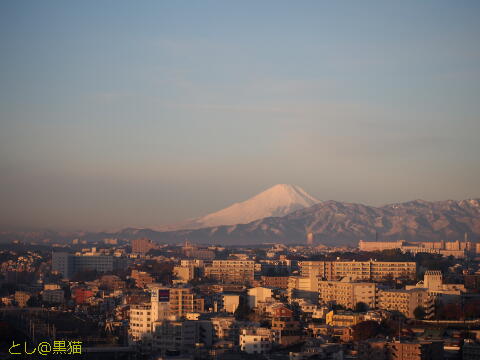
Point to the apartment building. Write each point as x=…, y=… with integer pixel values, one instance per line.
x=358, y=270
x=433, y=282
x=258, y=294
x=225, y=328
x=401, y=350
x=180, y=300
x=303, y=287
x=280, y=282
x=184, y=273
x=231, y=271
x=142, y=246
x=256, y=340
x=69, y=264
x=343, y=318
x=406, y=301
x=182, y=336
x=142, y=278
x=141, y=320
x=347, y=293
x=455, y=248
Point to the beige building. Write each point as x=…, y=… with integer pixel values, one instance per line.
x=258, y=294
x=142, y=246
x=231, y=271
x=303, y=287
x=230, y=302
x=458, y=249
x=343, y=318
x=433, y=283
x=256, y=340
x=347, y=293
x=184, y=273
x=358, y=270
x=183, y=301
x=140, y=317
x=406, y=301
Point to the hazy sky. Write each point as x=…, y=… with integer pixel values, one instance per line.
x=140, y=113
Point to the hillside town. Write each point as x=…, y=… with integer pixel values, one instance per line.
x=144, y=300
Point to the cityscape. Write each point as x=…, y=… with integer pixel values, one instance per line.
x=213, y=180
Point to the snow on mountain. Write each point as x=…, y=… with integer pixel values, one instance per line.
x=279, y=200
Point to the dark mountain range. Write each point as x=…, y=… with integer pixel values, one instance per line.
x=338, y=223
x=331, y=222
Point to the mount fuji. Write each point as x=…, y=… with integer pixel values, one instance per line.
x=279, y=200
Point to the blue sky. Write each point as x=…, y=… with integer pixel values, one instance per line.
x=121, y=113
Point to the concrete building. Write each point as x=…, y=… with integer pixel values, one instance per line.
x=225, y=328
x=69, y=264
x=258, y=294
x=458, y=249
x=358, y=270
x=401, y=350
x=142, y=246
x=184, y=273
x=230, y=302
x=231, y=271
x=287, y=329
x=181, y=300
x=256, y=340
x=433, y=283
x=140, y=317
x=343, y=318
x=280, y=282
x=303, y=287
x=347, y=293
x=56, y=296
x=182, y=336
x=142, y=278
x=406, y=301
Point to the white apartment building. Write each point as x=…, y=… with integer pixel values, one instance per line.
x=406, y=301
x=140, y=322
x=358, y=270
x=256, y=340
x=347, y=293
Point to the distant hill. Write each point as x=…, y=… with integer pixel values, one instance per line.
x=332, y=223
x=338, y=223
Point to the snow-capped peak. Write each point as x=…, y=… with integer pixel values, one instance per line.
x=278, y=200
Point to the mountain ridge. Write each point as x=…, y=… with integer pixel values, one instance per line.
x=341, y=223
x=332, y=222
x=278, y=200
